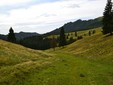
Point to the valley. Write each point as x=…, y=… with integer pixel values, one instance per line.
x=87, y=61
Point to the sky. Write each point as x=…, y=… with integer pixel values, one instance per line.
x=42, y=16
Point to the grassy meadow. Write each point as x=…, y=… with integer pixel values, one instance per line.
x=17, y=62
x=88, y=61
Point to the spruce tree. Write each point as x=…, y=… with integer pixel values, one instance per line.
x=62, y=41
x=53, y=43
x=89, y=33
x=75, y=34
x=94, y=32
x=107, y=26
x=11, y=35
x=111, y=21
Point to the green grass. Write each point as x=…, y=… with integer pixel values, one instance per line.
x=88, y=61
x=93, y=58
x=79, y=33
x=73, y=70
x=17, y=62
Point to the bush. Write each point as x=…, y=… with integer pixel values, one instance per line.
x=80, y=37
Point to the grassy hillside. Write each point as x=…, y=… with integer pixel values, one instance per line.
x=97, y=46
x=17, y=62
x=88, y=61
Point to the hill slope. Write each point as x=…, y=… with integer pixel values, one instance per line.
x=88, y=61
x=97, y=46
x=17, y=62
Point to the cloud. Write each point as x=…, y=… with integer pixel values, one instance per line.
x=44, y=17
x=73, y=6
x=12, y=2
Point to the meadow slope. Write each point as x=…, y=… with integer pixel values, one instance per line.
x=17, y=62
x=88, y=61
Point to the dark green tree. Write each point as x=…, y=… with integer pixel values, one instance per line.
x=89, y=33
x=71, y=40
x=79, y=37
x=62, y=40
x=67, y=37
x=75, y=34
x=11, y=35
x=107, y=16
x=93, y=32
x=111, y=21
x=53, y=43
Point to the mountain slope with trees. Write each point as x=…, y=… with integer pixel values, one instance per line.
x=42, y=42
x=79, y=25
x=22, y=35
x=69, y=27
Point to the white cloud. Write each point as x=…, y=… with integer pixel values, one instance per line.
x=12, y=2
x=47, y=16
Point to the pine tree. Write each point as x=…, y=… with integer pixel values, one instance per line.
x=89, y=33
x=62, y=41
x=53, y=43
x=107, y=26
x=11, y=35
x=75, y=34
x=112, y=21
x=93, y=32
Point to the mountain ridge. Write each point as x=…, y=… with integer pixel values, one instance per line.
x=78, y=25
x=20, y=35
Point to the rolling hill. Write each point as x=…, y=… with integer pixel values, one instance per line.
x=17, y=62
x=88, y=61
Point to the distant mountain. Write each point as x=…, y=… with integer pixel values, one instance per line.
x=69, y=27
x=22, y=35
x=3, y=37
x=79, y=25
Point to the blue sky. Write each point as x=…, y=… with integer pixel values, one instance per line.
x=42, y=16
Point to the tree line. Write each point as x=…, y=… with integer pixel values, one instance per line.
x=43, y=43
